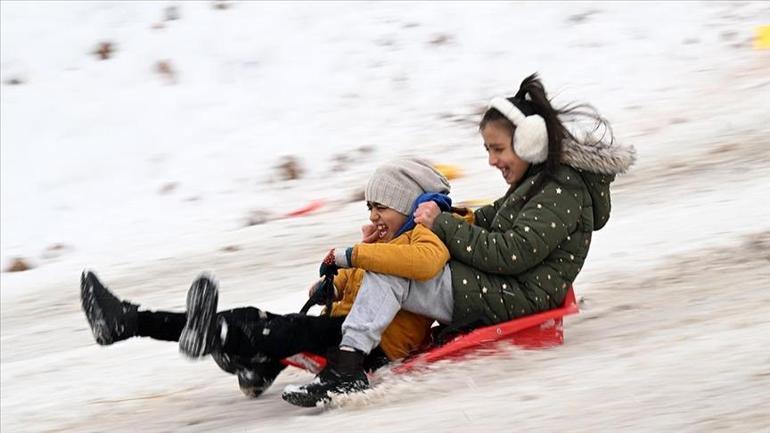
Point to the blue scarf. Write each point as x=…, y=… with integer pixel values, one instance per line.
x=442, y=200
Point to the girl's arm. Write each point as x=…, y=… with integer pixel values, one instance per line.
x=538, y=228
x=484, y=215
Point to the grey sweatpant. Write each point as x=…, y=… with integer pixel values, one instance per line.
x=382, y=296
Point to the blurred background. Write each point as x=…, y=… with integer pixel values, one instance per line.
x=151, y=141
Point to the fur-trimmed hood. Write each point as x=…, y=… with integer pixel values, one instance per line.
x=598, y=164
x=600, y=158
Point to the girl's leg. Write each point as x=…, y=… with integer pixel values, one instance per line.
x=252, y=332
x=112, y=319
x=160, y=325
x=109, y=318
x=254, y=342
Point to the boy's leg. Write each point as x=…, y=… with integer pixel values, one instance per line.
x=377, y=302
x=382, y=296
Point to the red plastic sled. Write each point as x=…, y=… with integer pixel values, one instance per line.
x=536, y=331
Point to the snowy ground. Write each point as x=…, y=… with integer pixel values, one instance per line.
x=673, y=333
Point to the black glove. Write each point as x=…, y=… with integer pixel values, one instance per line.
x=324, y=293
x=337, y=258
x=328, y=267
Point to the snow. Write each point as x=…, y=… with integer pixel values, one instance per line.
x=146, y=180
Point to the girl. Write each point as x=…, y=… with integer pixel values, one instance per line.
x=517, y=257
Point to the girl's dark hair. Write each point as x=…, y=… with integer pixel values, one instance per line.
x=530, y=99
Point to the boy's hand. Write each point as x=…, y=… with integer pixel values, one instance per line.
x=328, y=267
x=335, y=259
x=369, y=234
x=426, y=214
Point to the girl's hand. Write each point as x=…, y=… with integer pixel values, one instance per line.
x=369, y=232
x=426, y=214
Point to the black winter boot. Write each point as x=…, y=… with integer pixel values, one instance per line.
x=200, y=335
x=255, y=374
x=110, y=318
x=258, y=377
x=344, y=373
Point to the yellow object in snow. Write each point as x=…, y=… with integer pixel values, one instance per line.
x=449, y=171
x=762, y=39
x=473, y=204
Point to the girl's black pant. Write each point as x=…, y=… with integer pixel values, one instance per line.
x=251, y=332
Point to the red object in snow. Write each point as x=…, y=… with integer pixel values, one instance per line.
x=536, y=331
x=310, y=207
x=306, y=361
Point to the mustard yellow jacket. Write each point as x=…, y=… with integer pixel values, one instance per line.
x=418, y=255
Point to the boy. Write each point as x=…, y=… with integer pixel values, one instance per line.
x=250, y=342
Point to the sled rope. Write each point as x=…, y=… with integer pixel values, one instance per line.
x=324, y=295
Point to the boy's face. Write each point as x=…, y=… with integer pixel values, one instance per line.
x=387, y=220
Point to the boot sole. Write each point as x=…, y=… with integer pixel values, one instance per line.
x=199, y=330
x=305, y=399
x=94, y=313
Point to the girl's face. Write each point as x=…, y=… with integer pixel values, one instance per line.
x=498, y=142
x=387, y=220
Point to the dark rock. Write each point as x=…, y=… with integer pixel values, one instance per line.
x=168, y=188
x=104, y=50
x=441, y=39
x=165, y=69
x=55, y=250
x=171, y=13
x=290, y=168
x=18, y=265
x=256, y=217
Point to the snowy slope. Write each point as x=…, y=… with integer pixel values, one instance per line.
x=147, y=180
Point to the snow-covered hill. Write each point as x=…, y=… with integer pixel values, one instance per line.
x=147, y=173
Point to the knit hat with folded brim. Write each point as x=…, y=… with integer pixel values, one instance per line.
x=398, y=183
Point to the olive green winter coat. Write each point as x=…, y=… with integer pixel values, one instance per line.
x=520, y=257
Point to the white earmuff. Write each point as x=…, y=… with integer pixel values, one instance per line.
x=530, y=139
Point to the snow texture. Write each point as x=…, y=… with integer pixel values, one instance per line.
x=145, y=166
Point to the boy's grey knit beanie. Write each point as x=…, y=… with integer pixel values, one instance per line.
x=398, y=183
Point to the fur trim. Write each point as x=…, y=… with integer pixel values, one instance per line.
x=599, y=158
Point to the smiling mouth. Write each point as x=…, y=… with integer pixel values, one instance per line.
x=382, y=230
x=505, y=172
